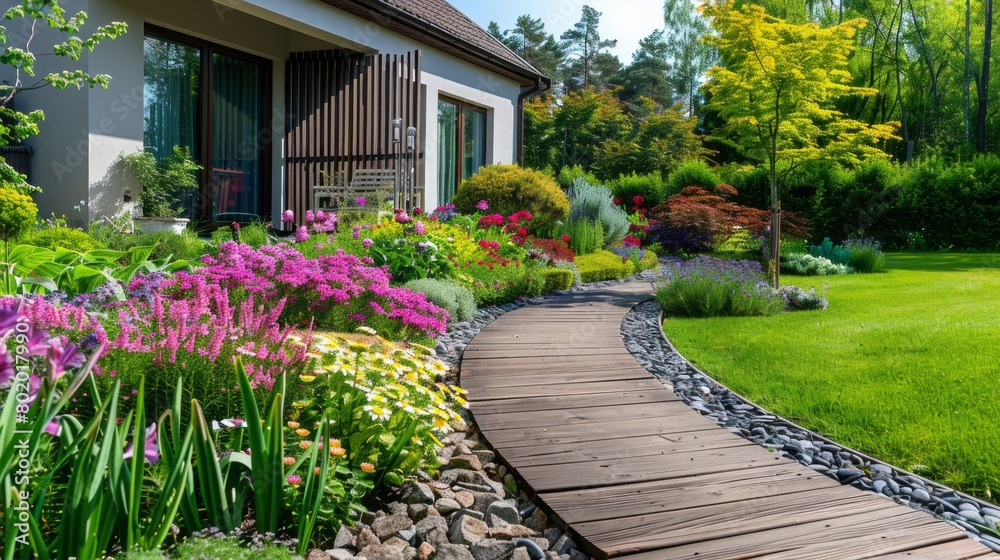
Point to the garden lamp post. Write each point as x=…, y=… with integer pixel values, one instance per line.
x=397, y=139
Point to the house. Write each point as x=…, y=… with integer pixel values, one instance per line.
x=276, y=96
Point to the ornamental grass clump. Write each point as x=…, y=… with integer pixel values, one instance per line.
x=866, y=255
x=710, y=287
x=338, y=292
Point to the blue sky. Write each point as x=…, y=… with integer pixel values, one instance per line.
x=625, y=20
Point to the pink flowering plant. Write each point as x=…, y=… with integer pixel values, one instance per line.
x=338, y=292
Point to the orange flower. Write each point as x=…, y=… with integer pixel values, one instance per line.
x=367, y=467
x=302, y=432
x=338, y=451
x=289, y=461
x=293, y=425
x=305, y=444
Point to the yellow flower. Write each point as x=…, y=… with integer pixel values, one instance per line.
x=302, y=432
x=334, y=442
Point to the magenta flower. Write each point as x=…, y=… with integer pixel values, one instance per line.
x=294, y=479
x=482, y=206
x=301, y=234
x=360, y=201
x=419, y=228
x=367, y=243
x=356, y=232
x=310, y=217
x=287, y=217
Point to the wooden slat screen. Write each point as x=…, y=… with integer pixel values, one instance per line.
x=340, y=110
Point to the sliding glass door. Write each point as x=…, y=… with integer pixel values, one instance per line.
x=461, y=145
x=215, y=102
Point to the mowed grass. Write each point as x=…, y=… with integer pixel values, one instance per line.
x=904, y=366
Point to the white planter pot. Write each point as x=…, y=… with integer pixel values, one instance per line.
x=175, y=225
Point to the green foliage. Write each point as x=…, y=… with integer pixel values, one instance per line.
x=570, y=173
x=584, y=121
x=706, y=287
x=596, y=204
x=162, y=181
x=18, y=214
x=650, y=187
x=186, y=246
x=740, y=242
x=663, y=138
x=691, y=173
x=509, y=188
x=62, y=237
x=454, y=297
x=833, y=253
x=558, y=279
x=800, y=300
x=565, y=265
x=217, y=547
x=410, y=258
x=867, y=259
x=585, y=235
x=603, y=265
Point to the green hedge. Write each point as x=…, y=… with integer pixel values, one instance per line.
x=557, y=279
x=603, y=265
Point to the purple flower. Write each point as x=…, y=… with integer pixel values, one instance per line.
x=367, y=243
x=152, y=451
x=419, y=228
x=360, y=201
x=301, y=234
x=482, y=206
x=287, y=217
x=310, y=217
x=356, y=232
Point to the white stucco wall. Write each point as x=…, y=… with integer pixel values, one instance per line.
x=85, y=132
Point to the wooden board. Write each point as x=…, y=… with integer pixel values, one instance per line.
x=632, y=472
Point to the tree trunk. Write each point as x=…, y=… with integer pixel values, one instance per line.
x=968, y=75
x=775, y=219
x=984, y=83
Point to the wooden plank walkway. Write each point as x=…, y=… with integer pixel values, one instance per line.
x=632, y=472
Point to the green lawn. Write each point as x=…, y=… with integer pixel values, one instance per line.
x=904, y=366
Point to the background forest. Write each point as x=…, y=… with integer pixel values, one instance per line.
x=917, y=73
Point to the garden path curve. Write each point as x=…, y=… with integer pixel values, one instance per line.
x=632, y=472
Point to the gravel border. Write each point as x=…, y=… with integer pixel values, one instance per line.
x=642, y=334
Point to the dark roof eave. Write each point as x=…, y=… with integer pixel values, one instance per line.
x=409, y=26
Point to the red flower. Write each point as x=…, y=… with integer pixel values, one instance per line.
x=522, y=232
x=565, y=239
x=638, y=200
x=617, y=200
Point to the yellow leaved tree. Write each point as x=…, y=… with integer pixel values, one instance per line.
x=775, y=87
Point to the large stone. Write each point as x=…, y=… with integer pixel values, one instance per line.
x=340, y=554
x=577, y=555
x=512, y=532
x=484, y=455
x=467, y=530
x=425, y=551
x=520, y=553
x=389, y=526
x=454, y=476
x=398, y=543
x=446, y=506
x=465, y=498
x=492, y=549
x=366, y=538
x=344, y=538
x=433, y=530
x=381, y=552
x=536, y=521
x=418, y=493
x=563, y=545
x=481, y=501
x=502, y=512
x=317, y=554
x=469, y=462
x=453, y=552
x=417, y=511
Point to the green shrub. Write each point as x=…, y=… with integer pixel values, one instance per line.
x=569, y=174
x=566, y=265
x=866, y=257
x=595, y=203
x=558, y=279
x=833, y=253
x=691, y=173
x=508, y=189
x=186, y=246
x=585, y=236
x=648, y=261
x=650, y=187
x=215, y=548
x=18, y=214
x=709, y=287
x=798, y=299
x=740, y=242
x=457, y=299
x=67, y=238
x=603, y=265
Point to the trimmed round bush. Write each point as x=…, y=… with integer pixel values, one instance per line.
x=691, y=173
x=509, y=188
x=18, y=213
x=62, y=237
x=557, y=279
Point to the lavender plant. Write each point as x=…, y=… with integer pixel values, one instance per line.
x=710, y=287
